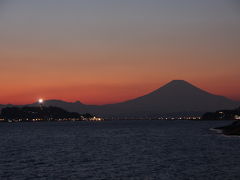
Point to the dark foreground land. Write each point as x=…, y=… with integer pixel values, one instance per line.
x=118, y=150
x=232, y=129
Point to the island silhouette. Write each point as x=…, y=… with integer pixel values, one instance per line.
x=42, y=113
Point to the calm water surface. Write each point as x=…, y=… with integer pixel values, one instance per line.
x=144, y=150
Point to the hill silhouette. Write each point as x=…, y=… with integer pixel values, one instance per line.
x=177, y=97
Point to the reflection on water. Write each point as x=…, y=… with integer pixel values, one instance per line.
x=117, y=150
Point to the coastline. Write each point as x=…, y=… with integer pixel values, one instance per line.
x=229, y=130
x=220, y=132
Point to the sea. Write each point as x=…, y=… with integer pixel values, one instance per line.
x=118, y=150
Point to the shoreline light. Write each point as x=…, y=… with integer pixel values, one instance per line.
x=40, y=101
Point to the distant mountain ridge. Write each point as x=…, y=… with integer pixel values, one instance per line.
x=177, y=97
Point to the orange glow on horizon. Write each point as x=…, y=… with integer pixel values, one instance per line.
x=96, y=54
x=97, y=94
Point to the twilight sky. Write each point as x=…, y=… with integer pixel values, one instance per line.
x=106, y=51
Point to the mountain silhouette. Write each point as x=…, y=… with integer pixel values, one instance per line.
x=176, y=98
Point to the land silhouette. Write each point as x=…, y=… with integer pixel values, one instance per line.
x=232, y=129
x=41, y=113
x=222, y=115
x=176, y=98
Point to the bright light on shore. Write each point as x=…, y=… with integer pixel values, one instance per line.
x=40, y=101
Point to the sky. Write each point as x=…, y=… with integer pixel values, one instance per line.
x=107, y=51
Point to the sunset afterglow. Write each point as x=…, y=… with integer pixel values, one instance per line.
x=101, y=52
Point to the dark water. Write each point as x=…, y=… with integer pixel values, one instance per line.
x=142, y=150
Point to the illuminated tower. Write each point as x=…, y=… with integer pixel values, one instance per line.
x=40, y=101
